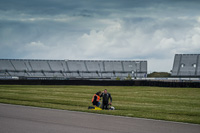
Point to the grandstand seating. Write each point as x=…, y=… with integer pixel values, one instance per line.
x=67, y=69
x=113, y=66
x=76, y=65
x=94, y=65
x=39, y=65
x=186, y=65
x=6, y=65
x=57, y=65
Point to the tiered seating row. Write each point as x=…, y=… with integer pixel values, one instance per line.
x=71, y=68
x=186, y=65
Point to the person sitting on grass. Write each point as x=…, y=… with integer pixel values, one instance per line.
x=106, y=96
x=96, y=99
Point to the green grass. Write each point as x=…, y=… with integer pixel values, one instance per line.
x=172, y=104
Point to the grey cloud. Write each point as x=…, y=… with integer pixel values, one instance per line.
x=98, y=29
x=53, y=7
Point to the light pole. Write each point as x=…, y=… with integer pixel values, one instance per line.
x=132, y=71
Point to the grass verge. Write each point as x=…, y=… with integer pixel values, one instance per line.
x=172, y=104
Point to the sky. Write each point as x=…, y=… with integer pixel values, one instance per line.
x=151, y=30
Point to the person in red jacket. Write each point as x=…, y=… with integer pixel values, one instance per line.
x=96, y=99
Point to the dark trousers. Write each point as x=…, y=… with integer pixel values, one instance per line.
x=96, y=103
x=104, y=105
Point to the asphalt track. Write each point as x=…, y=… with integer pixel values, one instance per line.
x=23, y=119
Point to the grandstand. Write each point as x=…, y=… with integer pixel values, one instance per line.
x=186, y=65
x=71, y=69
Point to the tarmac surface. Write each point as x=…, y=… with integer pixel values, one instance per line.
x=24, y=119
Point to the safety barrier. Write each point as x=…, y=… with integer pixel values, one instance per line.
x=102, y=83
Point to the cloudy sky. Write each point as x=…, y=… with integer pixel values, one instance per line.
x=152, y=30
